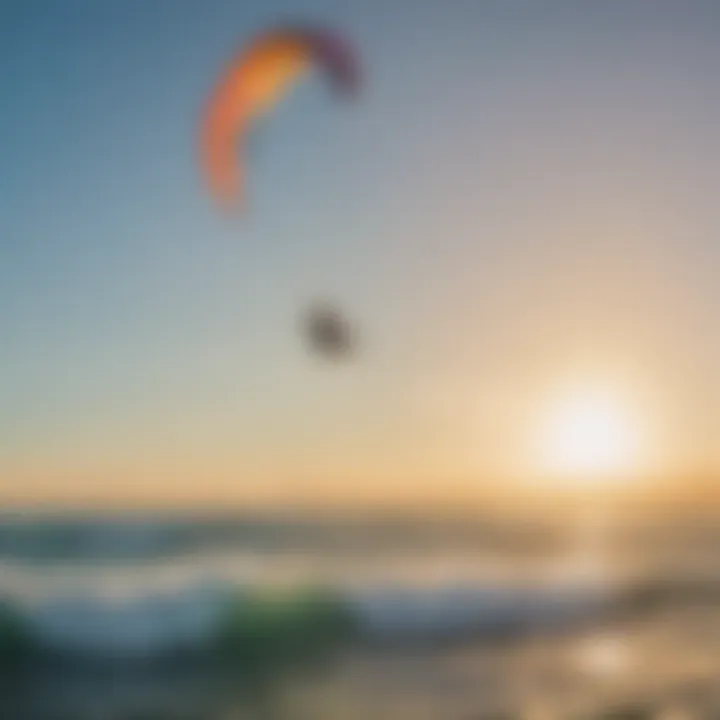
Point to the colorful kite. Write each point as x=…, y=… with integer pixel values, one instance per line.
x=252, y=84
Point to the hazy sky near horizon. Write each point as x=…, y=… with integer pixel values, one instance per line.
x=526, y=193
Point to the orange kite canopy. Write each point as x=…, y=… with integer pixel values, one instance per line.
x=252, y=84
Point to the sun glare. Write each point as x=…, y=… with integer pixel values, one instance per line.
x=589, y=435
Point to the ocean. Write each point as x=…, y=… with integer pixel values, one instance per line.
x=377, y=616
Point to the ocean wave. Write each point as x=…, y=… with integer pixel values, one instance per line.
x=28, y=537
x=158, y=608
x=211, y=616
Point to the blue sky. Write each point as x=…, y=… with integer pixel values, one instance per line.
x=523, y=186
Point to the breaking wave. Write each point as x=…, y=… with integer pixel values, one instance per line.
x=206, y=615
x=129, y=591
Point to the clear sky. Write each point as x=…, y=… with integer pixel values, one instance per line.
x=526, y=193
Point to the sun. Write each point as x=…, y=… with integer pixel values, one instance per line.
x=589, y=434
